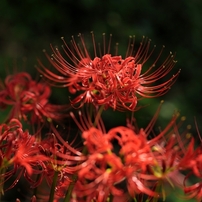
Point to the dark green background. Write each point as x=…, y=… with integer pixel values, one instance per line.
x=28, y=26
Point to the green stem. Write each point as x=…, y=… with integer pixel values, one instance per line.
x=135, y=200
x=70, y=189
x=36, y=188
x=158, y=190
x=110, y=198
x=52, y=192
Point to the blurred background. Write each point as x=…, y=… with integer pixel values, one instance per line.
x=28, y=27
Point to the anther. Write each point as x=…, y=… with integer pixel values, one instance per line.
x=183, y=118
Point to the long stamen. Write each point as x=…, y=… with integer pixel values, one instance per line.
x=109, y=43
x=94, y=45
x=104, y=43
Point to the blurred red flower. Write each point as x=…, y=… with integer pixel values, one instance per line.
x=20, y=154
x=29, y=99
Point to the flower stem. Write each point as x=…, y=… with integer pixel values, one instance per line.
x=52, y=192
x=110, y=198
x=70, y=189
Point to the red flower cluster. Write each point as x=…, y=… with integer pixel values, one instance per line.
x=121, y=164
x=192, y=162
x=134, y=165
x=112, y=81
x=29, y=99
x=20, y=154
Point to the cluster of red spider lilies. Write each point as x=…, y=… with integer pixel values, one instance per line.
x=122, y=164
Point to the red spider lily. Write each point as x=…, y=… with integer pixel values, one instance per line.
x=137, y=156
x=196, y=163
x=96, y=141
x=20, y=154
x=109, y=80
x=98, y=176
x=146, y=165
x=29, y=98
x=63, y=164
x=194, y=191
x=193, y=160
x=64, y=159
x=105, y=169
x=102, y=156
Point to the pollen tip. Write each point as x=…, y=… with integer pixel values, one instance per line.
x=162, y=101
x=49, y=119
x=163, y=46
x=44, y=50
x=176, y=114
x=188, y=135
x=183, y=118
x=173, y=135
x=103, y=34
x=62, y=37
x=189, y=127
